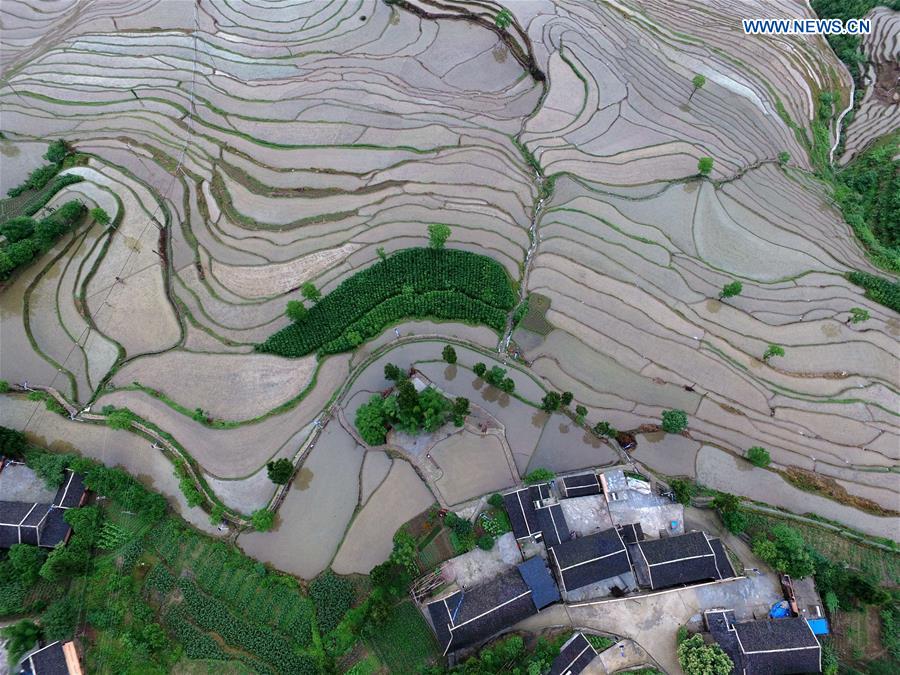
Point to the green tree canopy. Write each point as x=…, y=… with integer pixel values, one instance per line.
x=731, y=289
x=449, y=354
x=786, y=551
x=758, y=456
x=295, y=310
x=371, y=421
x=698, y=658
x=674, y=421
x=262, y=520
x=551, y=402
x=310, y=292
x=480, y=369
x=438, y=234
x=393, y=373
x=773, y=350
x=605, y=429
x=705, y=165
x=100, y=216
x=280, y=470
x=566, y=398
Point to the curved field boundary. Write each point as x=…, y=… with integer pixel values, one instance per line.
x=418, y=282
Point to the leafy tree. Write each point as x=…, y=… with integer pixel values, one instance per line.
x=438, y=234
x=539, y=476
x=17, y=229
x=354, y=338
x=496, y=500
x=120, y=419
x=57, y=151
x=310, y=292
x=449, y=354
x=59, y=620
x=381, y=252
x=580, y=413
x=551, y=402
x=496, y=375
x=705, y=165
x=772, y=350
x=20, y=637
x=26, y=561
x=100, y=216
x=566, y=398
x=698, y=81
x=480, y=369
x=262, y=520
x=684, y=490
x=217, y=514
x=858, y=315
x=605, y=429
x=759, y=456
x=698, y=658
x=12, y=442
x=280, y=471
x=785, y=551
x=674, y=421
x=295, y=310
x=4, y=386
x=485, y=542
x=49, y=467
x=371, y=422
x=508, y=385
x=730, y=511
x=731, y=289
x=503, y=19
x=784, y=157
x=460, y=410
x=393, y=373
x=405, y=552
x=435, y=408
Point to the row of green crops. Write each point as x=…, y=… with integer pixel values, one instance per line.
x=414, y=283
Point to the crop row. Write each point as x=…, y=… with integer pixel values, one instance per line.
x=213, y=615
x=476, y=287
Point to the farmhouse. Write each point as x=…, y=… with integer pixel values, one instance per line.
x=29, y=513
x=589, y=560
x=766, y=647
x=574, y=656
x=554, y=529
x=468, y=617
x=57, y=658
x=685, y=559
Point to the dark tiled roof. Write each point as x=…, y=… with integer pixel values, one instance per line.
x=55, y=529
x=71, y=491
x=12, y=513
x=38, y=513
x=631, y=533
x=574, y=656
x=49, y=660
x=553, y=525
x=469, y=617
x=581, y=485
x=590, y=559
x=539, y=492
x=9, y=535
x=521, y=513
x=684, y=559
x=722, y=562
x=538, y=578
x=719, y=624
x=778, y=647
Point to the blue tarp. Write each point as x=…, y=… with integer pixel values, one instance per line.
x=819, y=626
x=780, y=610
x=543, y=588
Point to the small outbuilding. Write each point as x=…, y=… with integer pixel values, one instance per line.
x=522, y=506
x=589, y=560
x=580, y=485
x=574, y=656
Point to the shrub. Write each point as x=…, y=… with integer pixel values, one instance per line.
x=332, y=597
x=784, y=157
x=310, y=292
x=449, y=354
x=731, y=513
x=57, y=151
x=58, y=622
x=12, y=442
x=773, y=350
x=393, y=373
x=485, y=542
x=684, y=490
x=539, y=476
x=21, y=637
x=438, y=234
x=698, y=658
x=731, y=289
x=605, y=429
x=100, y=216
x=674, y=421
x=580, y=413
x=551, y=402
x=480, y=369
x=371, y=421
x=705, y=165
x=566, y=398
x=496, y=500
x=759, y=456
x=49, y=467
x=785, y=551
x=295, y=310
x=262, y=520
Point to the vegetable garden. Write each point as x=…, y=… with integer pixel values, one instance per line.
x=441, y=283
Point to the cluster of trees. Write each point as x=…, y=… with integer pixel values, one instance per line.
x=57, y=151
x=698, y=658
x=406, y=409
x=878, y=289
x=553, y=401
x=496, y=376
x=847, y=47
x=28, y=238
x=419, y=282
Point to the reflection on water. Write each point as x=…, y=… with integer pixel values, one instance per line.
x=303, y=478
x=539, y=419
x=654, y=436
x=478, y=383
x=503, y=400
x=690, y=187
x=450, y=373
x=564, y=428
x=713, y=306
x=591, y=440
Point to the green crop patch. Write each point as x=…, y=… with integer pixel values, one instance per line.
x=415, y=283
x=535, y=318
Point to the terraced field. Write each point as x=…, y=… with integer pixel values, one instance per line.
x=243, y=150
